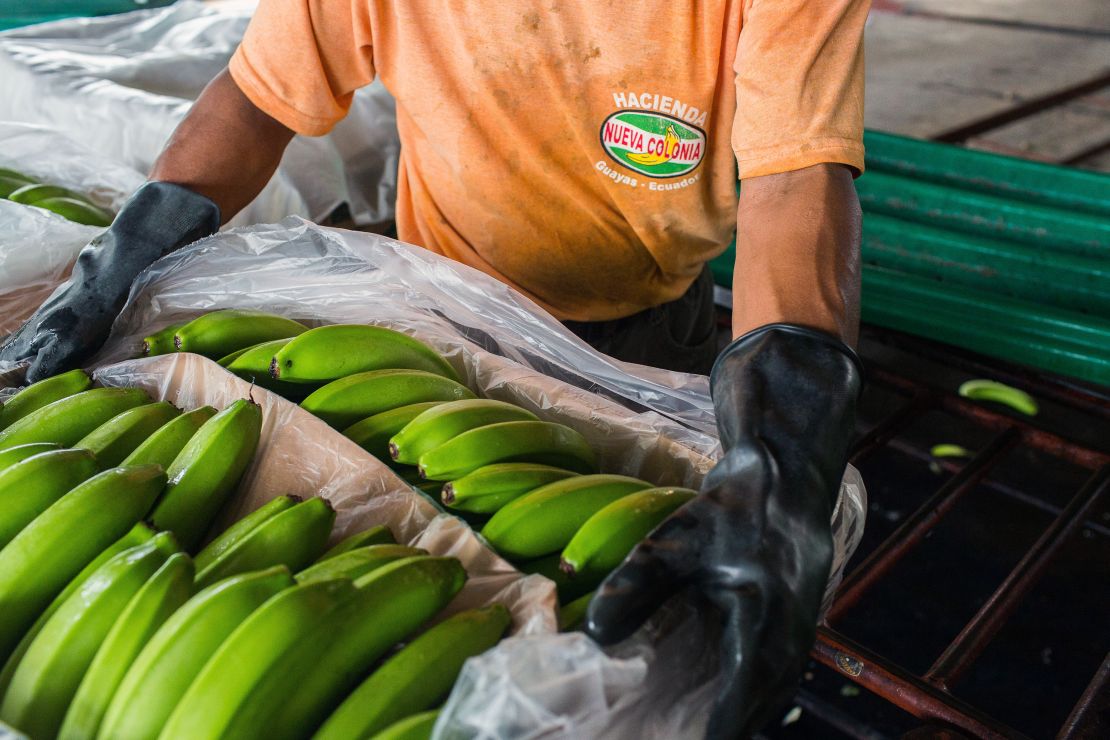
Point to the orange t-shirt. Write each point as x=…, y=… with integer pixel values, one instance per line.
x=575, y=149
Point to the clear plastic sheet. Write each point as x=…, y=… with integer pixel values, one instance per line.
x=301, y=455
x=121, y=84
x=37, y=247
x=645, y=422
x=7, y=733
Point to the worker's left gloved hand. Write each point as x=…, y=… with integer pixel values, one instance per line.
x=756, y=542
x=72, y=324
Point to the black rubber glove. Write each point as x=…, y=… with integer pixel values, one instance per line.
x=757, y=541
x=73, y=323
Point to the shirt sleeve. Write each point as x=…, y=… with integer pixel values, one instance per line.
x=799, y=85
x=300, y=61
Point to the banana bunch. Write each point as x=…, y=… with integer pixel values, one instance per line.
x=530, y=485
x=592, y=523
x=19, y=188
x=394, y=396
x=81, y=466
x=220, y=335
x=116, y=623
x=445, y=440
x=418, y=677
x=330, y=353
x=571, y=528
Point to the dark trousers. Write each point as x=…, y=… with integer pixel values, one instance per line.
x=680, y=335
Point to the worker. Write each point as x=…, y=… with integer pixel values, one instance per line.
x=586, y=153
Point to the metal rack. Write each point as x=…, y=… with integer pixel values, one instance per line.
x=927, y=696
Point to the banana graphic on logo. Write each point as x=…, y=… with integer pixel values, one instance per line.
x=670, y=144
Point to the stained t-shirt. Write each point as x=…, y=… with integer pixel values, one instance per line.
x=583, y=151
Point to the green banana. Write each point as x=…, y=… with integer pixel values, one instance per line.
x=13, y=455
x=206, y=472
x=419, y=676
x=255, y=359
x=14, y=175
x=218, y=333
x=990, y=390
x=240, y=529
x=379, y=535
x=572, y=614
x=374, y=432
x=43, y=393
x=69, y=419
x=391, y=603
x=161, y=341
x=609, y=535
x=162, y=595
x=163, y=446
x=490, y=487
x=137, y=535
x=10, y=181
x=356, y=563
x=30, y=487
x=416, y=727
x=31, y=194
x=9, y=186
x=545, y=520
x=328, y=353
x=541, y=442
x=442, y=424
x=254, y=365
x=568, y=588
x=52, y=549
x=293, y=538
x=48, y=676
x=212, y=706
x=77, y=210
x=948, y=450
x=343, y=402
x=118, y=437
x=168, y=663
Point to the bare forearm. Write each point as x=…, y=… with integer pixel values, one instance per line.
x=797, y=252
x=225, y=148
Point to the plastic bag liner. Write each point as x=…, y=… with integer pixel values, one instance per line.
x=9, y=733
x=122, y=83
x=644, y=422
x=301, y=455
x=38, y=247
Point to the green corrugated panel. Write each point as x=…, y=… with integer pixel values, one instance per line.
x=1009, y=315
x=1012, y=330
x=18, y=13
x=1002, y=256
x=18, y=21
x=1033, y=274
x=985, y=215
x=1006, y=177
x=1066, y=342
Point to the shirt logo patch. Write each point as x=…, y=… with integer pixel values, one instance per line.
x=653, y=144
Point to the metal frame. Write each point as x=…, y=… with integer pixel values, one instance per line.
x=927, y=696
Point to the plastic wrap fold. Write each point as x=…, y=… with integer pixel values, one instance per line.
x=121, y=84
x=38, y=247
x=645, y=422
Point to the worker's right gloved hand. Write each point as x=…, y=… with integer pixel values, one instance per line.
x=757, y=541
x=72, y=324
